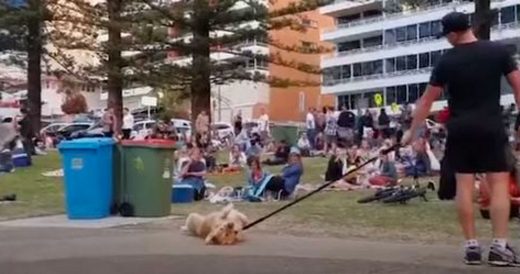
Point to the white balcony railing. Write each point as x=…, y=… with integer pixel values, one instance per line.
x=376, y=76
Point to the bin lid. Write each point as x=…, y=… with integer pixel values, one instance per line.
x=149, y=143
x=86, y=143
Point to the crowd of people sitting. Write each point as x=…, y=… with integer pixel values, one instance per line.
x=346, y=139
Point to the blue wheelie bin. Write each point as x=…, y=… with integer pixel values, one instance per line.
x=87, y=166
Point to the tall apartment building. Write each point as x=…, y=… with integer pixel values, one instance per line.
x=392, y=54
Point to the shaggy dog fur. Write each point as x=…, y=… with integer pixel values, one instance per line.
x=223, y=227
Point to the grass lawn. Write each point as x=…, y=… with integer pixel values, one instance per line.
x=330, y=213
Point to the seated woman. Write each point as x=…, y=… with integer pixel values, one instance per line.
x=337, y=167
x=387, y=175
x=283, y=184
x=237, y=160
x=257, y=179
x=304, y=145
x=193, y=172
x=280, y=155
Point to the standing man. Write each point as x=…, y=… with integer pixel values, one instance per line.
x=237, y=123
x=108, y=120
x=310, y=126
x=470, y=72
x=128, y=123
x=264, y=125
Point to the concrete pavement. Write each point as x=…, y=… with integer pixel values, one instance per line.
x=136, y=251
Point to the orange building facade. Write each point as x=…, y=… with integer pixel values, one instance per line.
x=292, y=103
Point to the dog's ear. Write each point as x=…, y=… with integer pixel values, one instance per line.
x=230, y=226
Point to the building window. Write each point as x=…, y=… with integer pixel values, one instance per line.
x=336, y=73
x=400, y=34
x=378, y=66
x=411, y=62
x=372, y=41
x=517, y=12
x=346, y=46
x=424, y=60
x=400, y=63
x=370, y=98
x=436, y=28
x=507, y=15
x=345, y=72
x=401, y=95
x=391, y=95
x=411, y=32
x=435, y=56
x=348, y=18
x=422, y=88
x=389, y=37
x=425, y=30
x=357, y=69
x=390, y=65
x=353, y=103
x=367, y=68
x=413, y=92
x=372, y=13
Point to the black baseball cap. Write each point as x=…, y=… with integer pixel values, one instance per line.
x=454, y=22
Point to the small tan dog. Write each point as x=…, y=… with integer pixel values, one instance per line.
x=223, y=227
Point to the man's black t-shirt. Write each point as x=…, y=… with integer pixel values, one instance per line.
x=471, y=75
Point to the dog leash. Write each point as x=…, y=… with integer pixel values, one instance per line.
x=383, y=152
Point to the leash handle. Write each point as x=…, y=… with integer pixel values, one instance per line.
x=385, y=151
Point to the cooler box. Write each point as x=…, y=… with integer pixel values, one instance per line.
x=182, y=193
x=87, y=166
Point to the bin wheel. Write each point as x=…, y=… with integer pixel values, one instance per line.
x=485, y=214
x=126, y=210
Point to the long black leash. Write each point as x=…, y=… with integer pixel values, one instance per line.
x=385, y=151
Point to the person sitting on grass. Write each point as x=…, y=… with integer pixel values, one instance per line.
x=193, y=173
x=237, y=160
x=387, y=175
x=281, y=155
x=304, y=145
x=254, y=150
x=257, y=179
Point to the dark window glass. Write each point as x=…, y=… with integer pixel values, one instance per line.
x=367, y=68
x=517, y=12
x=370, y=98
x=411, y=62
x=424, y=60
x=507, y=15
x=411, y=32
x=378, y=66
x=400, y=63
x=436, y=28
x=354, y=98
x=372, y=13
x=345, y=72
x=401, y=95
x=400, y=34
x=345, y=46
x=496, y=19
x=390, y=37
x=357, y=69
x=422, y=88
x=348, y=18
x=372, y=41
x=391, y=96
x=336, y=73
x=343, y=100
x=390, y=65
x=425, y=30
x=413, y=92
x=435, y=56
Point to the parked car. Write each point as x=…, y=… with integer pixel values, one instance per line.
x=142, y=129
x=183, y=126
x=66, y=131
x=52, y=129
x=96, y=130
x=223, y=130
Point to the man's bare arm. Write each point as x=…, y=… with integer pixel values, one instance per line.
x=514, y=80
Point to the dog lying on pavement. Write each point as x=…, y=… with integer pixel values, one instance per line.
x=222, y=227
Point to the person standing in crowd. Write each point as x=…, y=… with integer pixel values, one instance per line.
x=477, y=140
x=128, y=123
x=202, y=126
x=310, y=125
x=320, y=118
x=384, y=124
x=346, y=124
x=331, y=130
x=263, y=125
x=237, y=123
x=108, y=120
x=27, y=133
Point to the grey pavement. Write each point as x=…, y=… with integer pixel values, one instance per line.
x=134, y=250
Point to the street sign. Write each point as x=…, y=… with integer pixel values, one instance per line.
x=378, y=99
x=149, y=101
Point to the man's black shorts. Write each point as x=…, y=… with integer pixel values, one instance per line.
x=477, y=148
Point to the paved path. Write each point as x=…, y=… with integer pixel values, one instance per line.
x=141, y=251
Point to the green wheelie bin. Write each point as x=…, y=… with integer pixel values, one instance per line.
x=147, y=169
